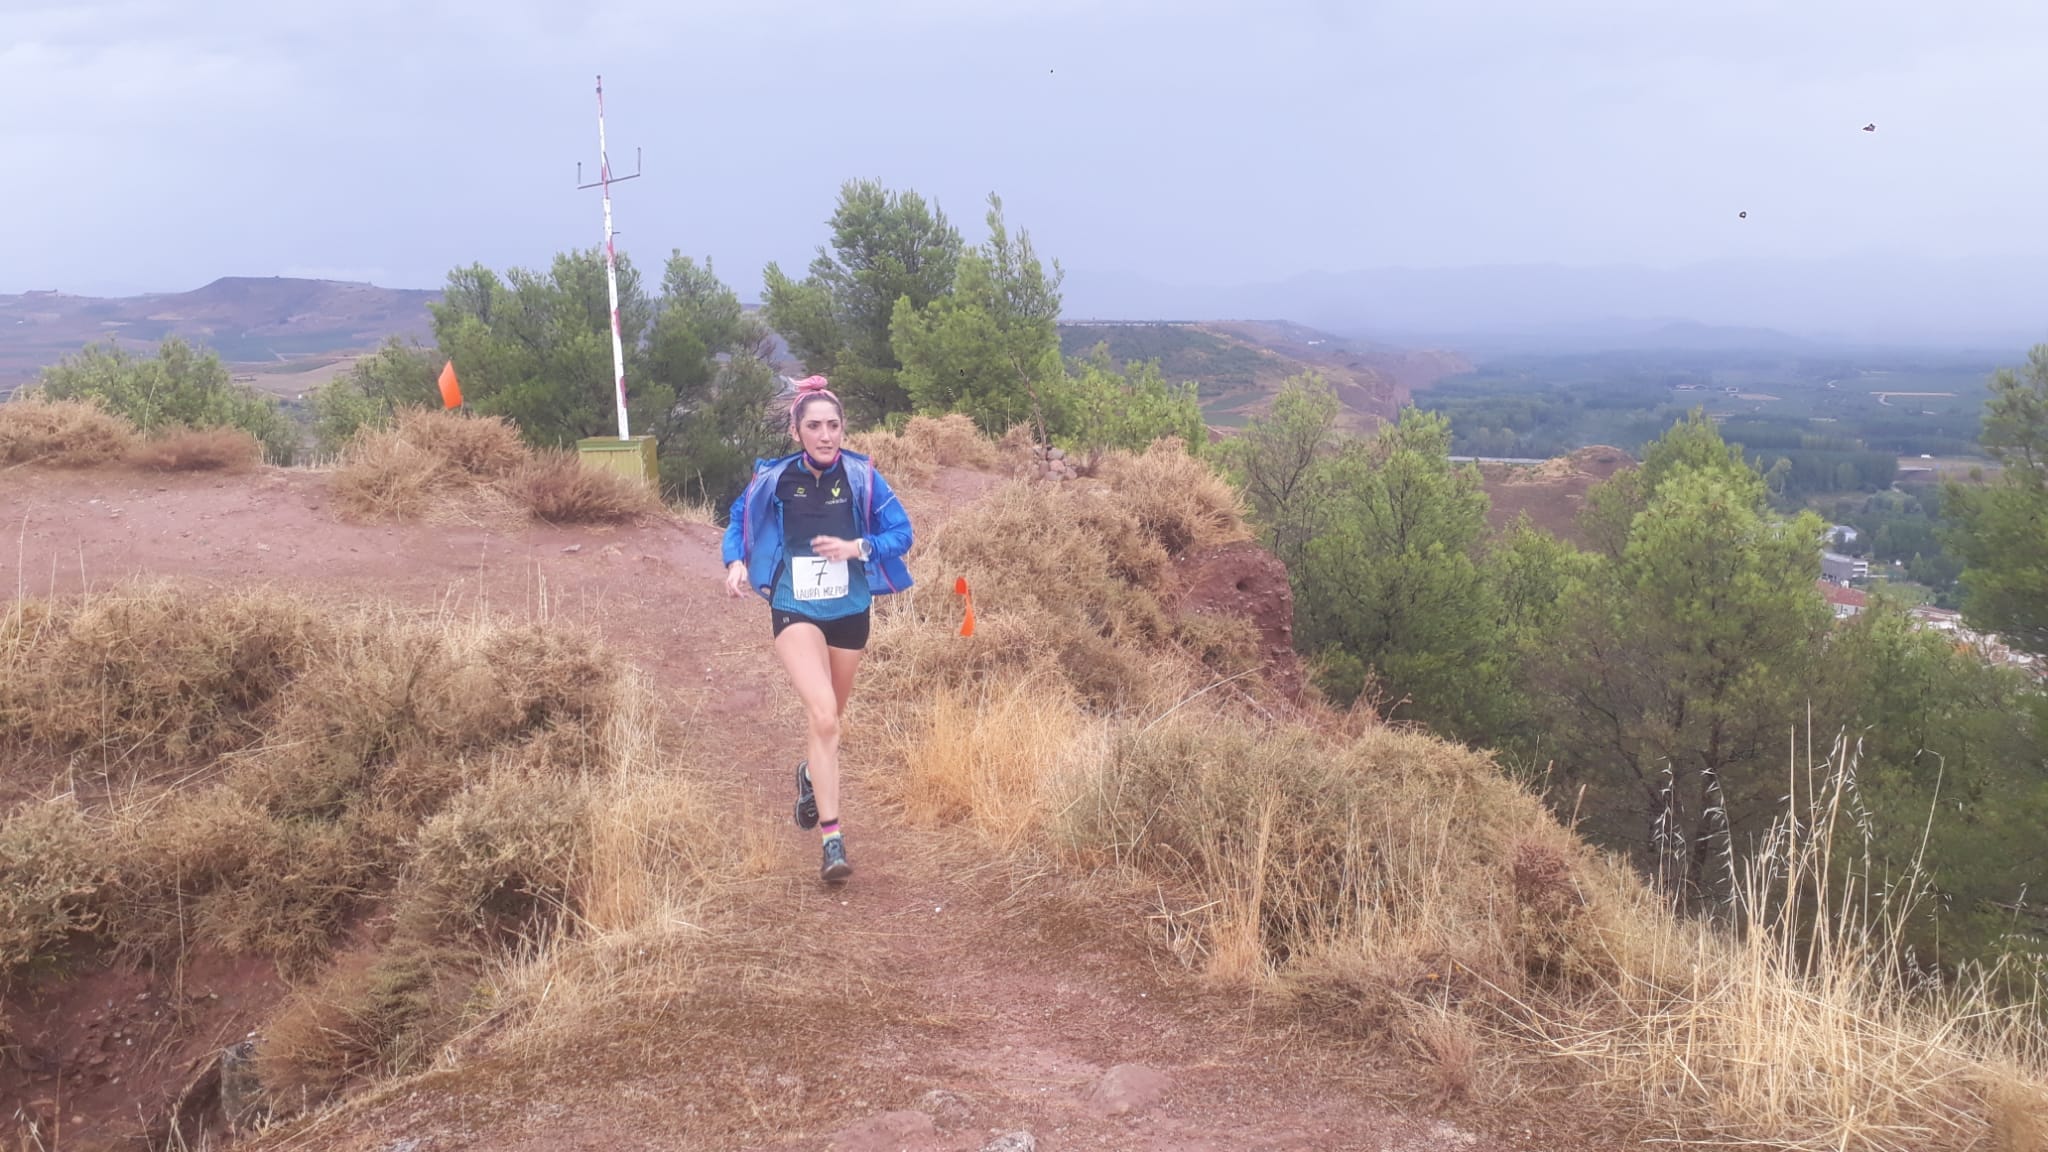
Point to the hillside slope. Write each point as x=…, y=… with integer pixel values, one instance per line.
x=1237, y=365
x=244, y=318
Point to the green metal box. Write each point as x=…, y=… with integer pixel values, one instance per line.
x=633, y=458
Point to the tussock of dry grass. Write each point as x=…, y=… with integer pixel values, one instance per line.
x=907, y=463
x=444, y=465
x=126, y=683
x=255, y=774
x=560, y=489
x=81, y=434
x=1074, y=580
x=61, y=433
x=51, y=870
x=952, y=441
x=198, y=450
x=1179, y=500
x=383, y=477
x=486, y=447
x=926, y=444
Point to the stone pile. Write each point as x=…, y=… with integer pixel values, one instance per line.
x=1049, y=463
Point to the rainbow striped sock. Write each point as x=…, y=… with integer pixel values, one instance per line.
x=829, y=829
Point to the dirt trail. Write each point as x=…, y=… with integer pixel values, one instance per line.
x=1016, y=1005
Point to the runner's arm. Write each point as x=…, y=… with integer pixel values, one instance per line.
x=890, y=533
x=734, y=547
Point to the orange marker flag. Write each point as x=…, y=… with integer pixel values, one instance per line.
x=451, y=388
x=960, y=589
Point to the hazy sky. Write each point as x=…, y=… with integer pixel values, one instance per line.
x=155, y=145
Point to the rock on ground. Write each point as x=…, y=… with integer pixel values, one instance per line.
x=1127, y=1088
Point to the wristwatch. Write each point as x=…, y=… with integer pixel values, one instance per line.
x=866, y=549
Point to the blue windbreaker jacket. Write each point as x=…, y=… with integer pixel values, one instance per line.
x=753, y=531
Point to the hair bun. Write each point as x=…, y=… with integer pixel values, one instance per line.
x=811, y=384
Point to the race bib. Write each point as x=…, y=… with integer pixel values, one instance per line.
x=816, y=578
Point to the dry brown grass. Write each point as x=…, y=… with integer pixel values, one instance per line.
x=910, y=458
x=257, y=774
x=1178, y=499
x=907, y=463
x=952, y=441
x=485, y=447
x=61, y=433
x=1074, y=581
x=53, y=872
x=559, y=488
x=1398, y=889
x=992, y=757
x=198, y=450
x=383, y=477
x=124, y=684
x=441, y=466
x=81, y=434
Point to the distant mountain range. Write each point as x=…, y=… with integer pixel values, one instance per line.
x=247, y=319
x=1866, y=301
x=1237, y=365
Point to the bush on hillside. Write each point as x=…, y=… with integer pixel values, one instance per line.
x=132, y=683
x=178, y=387
x=35, y=429
x=1124, y=408
x=375, y=391
x=952, y=441
x=926, y=443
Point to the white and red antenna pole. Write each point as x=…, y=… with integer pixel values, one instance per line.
x=611, y=274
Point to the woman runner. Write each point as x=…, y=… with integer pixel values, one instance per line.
x=818, y=534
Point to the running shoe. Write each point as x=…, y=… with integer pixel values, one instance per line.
x=835, y=868
x=806, y=803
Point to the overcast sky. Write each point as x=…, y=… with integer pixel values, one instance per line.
x=154, y=145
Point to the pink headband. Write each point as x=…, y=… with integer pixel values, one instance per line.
x=806, y=388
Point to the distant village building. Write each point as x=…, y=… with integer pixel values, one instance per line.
x=1839, y=534
x=1848, y=603
x=1845, y=602
x=1839, y=569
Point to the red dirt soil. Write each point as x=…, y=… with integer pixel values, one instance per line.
x=1017, y=1010
x=1553, y=492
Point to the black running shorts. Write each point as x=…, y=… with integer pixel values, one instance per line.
x=848, y=632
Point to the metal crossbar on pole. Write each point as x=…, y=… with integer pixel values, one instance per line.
x=605, y=180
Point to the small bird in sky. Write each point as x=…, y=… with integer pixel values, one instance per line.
x=1742, y=215
x=1870, y=127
